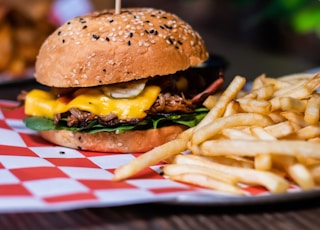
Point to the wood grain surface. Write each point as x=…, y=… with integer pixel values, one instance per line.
x=295, y=215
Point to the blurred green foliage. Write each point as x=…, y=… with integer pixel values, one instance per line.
x=303, y=16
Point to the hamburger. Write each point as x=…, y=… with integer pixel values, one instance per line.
x=120, y=83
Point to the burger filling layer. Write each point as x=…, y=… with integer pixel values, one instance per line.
x=104, y=108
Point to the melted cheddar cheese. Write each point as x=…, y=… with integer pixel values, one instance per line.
x=42, y=103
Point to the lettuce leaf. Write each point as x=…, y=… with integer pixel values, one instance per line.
x=190, y=120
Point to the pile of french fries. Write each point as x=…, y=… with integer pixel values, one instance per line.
x=267, y=136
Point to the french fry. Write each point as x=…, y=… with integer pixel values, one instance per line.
x=263, y=162
x=235, y=134
x=301, y=175
x=262, y=134
x=254, y=106
x=239, y=119
x=285, y=88
x=283, y=162
x=272, y=182
x=231, y=108
x=312, y=111
x=307, y=132
x=258, y=82
x=231, y=160
x=186, y=134
x=282, y=129
x=265, y=92
x=152, y=157
x=229, y=94
x=206, y=181
x=292, y=104
x=294, y=117
x=315, y=173
x=279, y=86
x=175, y=169
x=308, y=161
x=304, y=90
x=276, y=117
x=252, y=148
x=314, y=139
x=211, y=101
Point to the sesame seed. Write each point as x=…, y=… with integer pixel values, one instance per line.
x=107, y=39
x=129, y=43
x=96, y=37
x=59, y=33
x=111, y=20
x=130, y=34
x=63, y=41
x=84, y=27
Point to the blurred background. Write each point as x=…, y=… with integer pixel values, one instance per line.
x=276, y=37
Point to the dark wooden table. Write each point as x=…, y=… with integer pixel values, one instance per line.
x=296, y=214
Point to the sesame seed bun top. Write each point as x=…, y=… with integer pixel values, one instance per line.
x=104, y=48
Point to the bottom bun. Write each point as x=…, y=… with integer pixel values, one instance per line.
x=131, y=141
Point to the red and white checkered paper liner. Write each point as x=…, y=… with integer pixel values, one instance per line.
x=38, y=176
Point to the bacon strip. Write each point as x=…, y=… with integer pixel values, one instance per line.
x=209, y=90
